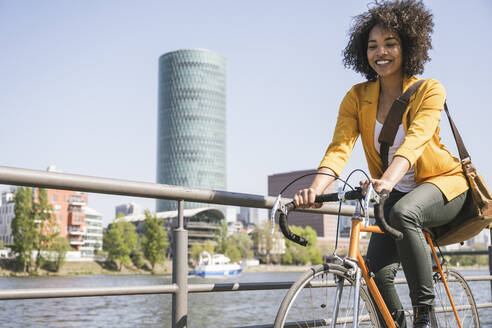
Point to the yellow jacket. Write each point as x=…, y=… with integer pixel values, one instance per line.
x=421, y=147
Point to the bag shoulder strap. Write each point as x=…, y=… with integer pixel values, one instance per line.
x=457, y=137
x=393, y=121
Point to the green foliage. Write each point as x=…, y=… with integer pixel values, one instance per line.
x=209, y=246
x=24, y=228
x=138, y=257
x=287, y=257
x=221, y=239
x=300, y=255
x=235, y=247
x=58, y=249
x=243, y=242
x=45, y=224
x=263, y=240
x=154, y=240
x=233, y=253
x=119, y=241
x=195, y=250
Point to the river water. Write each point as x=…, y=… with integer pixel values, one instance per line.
x=224, y=309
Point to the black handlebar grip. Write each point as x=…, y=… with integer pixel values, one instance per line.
x=380, y=219
x=333, y=197
x=326, y=198
x=284, y=227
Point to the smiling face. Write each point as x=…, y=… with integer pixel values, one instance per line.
x=384, y=52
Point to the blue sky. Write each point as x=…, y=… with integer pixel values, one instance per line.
x=78, y=82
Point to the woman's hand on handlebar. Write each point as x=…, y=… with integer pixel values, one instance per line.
x=378, y=185
x=304, y=198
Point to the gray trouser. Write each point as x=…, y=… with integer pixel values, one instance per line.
x=425, y=206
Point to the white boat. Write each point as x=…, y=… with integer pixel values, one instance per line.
x=216, y=265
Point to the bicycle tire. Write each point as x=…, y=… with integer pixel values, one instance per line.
x=300, y=309
x=462, y=298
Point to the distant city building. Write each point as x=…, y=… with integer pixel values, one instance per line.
x=231, y=214
x=254, y=216
x=7, y=214
x=93, y=239
x=128, y=209
x=234, y=227
x=68, y=210
x=191, y=136
x=244, y=215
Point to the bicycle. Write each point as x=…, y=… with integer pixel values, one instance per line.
x=311, y=296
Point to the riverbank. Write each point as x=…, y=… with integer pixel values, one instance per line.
x=101, y=268
x=90, y=268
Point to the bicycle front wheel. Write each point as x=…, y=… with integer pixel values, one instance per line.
x=311, y=301
x=462, y=297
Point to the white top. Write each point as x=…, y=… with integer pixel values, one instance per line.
x=407, y=183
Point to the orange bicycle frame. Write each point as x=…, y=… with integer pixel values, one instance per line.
x=354, y=253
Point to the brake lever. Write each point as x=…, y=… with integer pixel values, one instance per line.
x=371, y=197
x=276, y=205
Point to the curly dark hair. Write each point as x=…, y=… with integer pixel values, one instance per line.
x=409, y=18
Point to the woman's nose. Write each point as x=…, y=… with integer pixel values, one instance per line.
x=381, y=51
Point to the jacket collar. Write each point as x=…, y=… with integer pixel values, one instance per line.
x=372, y=92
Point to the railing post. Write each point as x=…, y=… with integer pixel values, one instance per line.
x=180, y=271
x=490, y=261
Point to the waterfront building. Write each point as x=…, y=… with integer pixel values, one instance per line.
x=7, y=214
x=69, y=211
x=191, y=136
x=128, y=209
x=93, y=238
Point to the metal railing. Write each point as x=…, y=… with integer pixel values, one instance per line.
x=179, y=287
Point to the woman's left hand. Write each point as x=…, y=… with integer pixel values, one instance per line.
x=377, y=184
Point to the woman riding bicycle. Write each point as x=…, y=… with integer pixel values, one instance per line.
x=389, y=45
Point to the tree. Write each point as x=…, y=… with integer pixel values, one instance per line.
x=209, y=246
x=195, y=251
x=221, y=239
x=233, y=253
x=24, y=228
x=45, y=225
x=297, y=254
x=58, y=249
x=120, y=241
x=154, y=241
x=243, y=242
x=263, y=240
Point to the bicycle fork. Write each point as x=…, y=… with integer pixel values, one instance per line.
x=338, y=296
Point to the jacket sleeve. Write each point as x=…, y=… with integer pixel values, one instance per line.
x=345, y=135
x=424, y=122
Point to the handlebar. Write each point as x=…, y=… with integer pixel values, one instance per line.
x=355, y=194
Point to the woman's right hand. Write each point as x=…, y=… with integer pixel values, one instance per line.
x=304, y=198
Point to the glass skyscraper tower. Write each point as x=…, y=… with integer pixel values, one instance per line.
x=191, y=145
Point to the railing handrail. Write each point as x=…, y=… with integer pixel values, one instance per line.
x=61, y=292
x=56, y=180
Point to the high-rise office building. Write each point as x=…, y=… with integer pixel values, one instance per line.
x=191, y=145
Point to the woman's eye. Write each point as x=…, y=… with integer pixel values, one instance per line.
x=391, y=45
x=372, y=47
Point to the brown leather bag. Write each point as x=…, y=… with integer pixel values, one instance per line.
x=476, y=213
